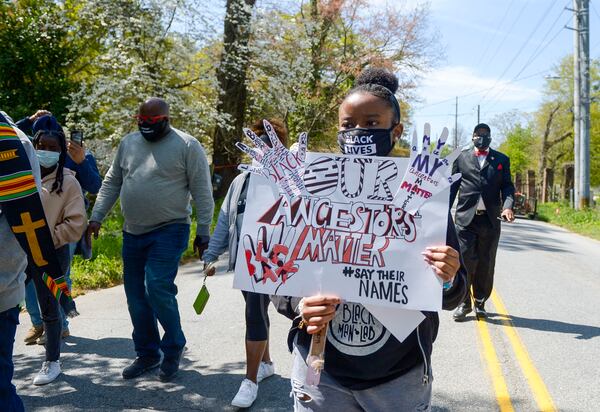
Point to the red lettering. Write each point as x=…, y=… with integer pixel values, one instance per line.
x=251, y=267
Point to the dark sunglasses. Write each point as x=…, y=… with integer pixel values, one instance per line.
x=149, y=119
x=484, y=135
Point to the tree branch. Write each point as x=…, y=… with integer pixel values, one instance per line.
x=559, y=139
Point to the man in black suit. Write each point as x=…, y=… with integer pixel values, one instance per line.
x=485, y=193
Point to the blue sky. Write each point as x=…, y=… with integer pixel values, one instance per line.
x=497, y=54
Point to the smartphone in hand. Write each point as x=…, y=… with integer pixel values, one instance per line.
x=77, y=137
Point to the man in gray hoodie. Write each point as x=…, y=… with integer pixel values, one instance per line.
x=13, y=262
x=154, y=173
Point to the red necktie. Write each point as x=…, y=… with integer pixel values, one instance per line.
x=481, y=152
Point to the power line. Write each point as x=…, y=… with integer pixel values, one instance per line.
x=525, y=4
x=534, y=56
x=500, y=93
x=495, y=32
x=482, y=90
x=540, y=49
x=442, y=114
x=508, y=32
x=537, y=26
x=472, y=113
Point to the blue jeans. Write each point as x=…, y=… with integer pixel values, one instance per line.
x=150, y=263
x=9, y=400
x=63, y=317
x=31, y=300
x=31, y=303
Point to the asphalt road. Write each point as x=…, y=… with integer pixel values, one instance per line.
x=539, y=349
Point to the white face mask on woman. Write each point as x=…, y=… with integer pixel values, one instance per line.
x=47, y=158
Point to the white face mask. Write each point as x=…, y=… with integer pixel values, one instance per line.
x=47, y=158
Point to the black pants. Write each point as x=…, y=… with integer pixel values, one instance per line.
x=257, y=316
x=49, y=306
x=478, y=246
x=9, y=400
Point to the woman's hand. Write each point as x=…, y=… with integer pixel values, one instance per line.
x=444, y=261
x=39, y=114
x=317, y=311
x=209, y=268
x=76, y=152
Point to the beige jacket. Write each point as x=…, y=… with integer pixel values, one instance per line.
x=65, y=212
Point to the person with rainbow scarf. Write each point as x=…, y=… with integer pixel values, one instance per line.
x=24, y=235
x=13, y=259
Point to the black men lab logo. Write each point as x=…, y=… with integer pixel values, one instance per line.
x=355, y=331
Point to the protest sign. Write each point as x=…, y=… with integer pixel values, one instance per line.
x=342, y=235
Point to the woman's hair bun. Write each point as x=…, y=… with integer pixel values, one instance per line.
x=378, y=75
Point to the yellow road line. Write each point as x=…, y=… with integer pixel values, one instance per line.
x=493, y=366
x=540, y=392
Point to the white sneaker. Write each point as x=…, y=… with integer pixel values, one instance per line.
x=246, y=394
x=265, y=370
x=49, y=372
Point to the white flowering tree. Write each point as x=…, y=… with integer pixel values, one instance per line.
x=139, y=54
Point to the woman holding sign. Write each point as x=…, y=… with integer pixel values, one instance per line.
x=226, y=236
x=365, y=366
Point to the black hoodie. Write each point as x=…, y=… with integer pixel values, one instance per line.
x=362, y=353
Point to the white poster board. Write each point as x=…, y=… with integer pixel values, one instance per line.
x=342, y=237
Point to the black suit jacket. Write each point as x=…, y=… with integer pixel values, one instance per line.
x=492, y=182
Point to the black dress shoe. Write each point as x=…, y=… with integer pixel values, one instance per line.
x=461, y=312
x=169, y=368
x=480, y=311
x=140, y=366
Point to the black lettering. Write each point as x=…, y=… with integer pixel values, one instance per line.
x=374, y=291
x=386, y=290
x=346, y=313
x=363, y=288
x=404, y=289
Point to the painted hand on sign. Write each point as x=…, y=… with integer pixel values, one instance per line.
x=278, y=164
x=272, y=256
x=427, y=174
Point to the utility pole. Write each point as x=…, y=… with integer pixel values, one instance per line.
x=456, y=124
x=581, y=103
x=576, y=103
x=478, y=114
x=584, y=111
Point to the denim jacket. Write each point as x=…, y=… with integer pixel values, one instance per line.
x=226, y=235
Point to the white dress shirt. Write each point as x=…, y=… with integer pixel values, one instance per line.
x=481, y=158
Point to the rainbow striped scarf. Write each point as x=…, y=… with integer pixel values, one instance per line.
x=21, y=204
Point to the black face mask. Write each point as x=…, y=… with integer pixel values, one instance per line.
x=366, y=142
x=482, y=142
x=154, y=132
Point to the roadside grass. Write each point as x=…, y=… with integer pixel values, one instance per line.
x=105, y=269
x=585, y=222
